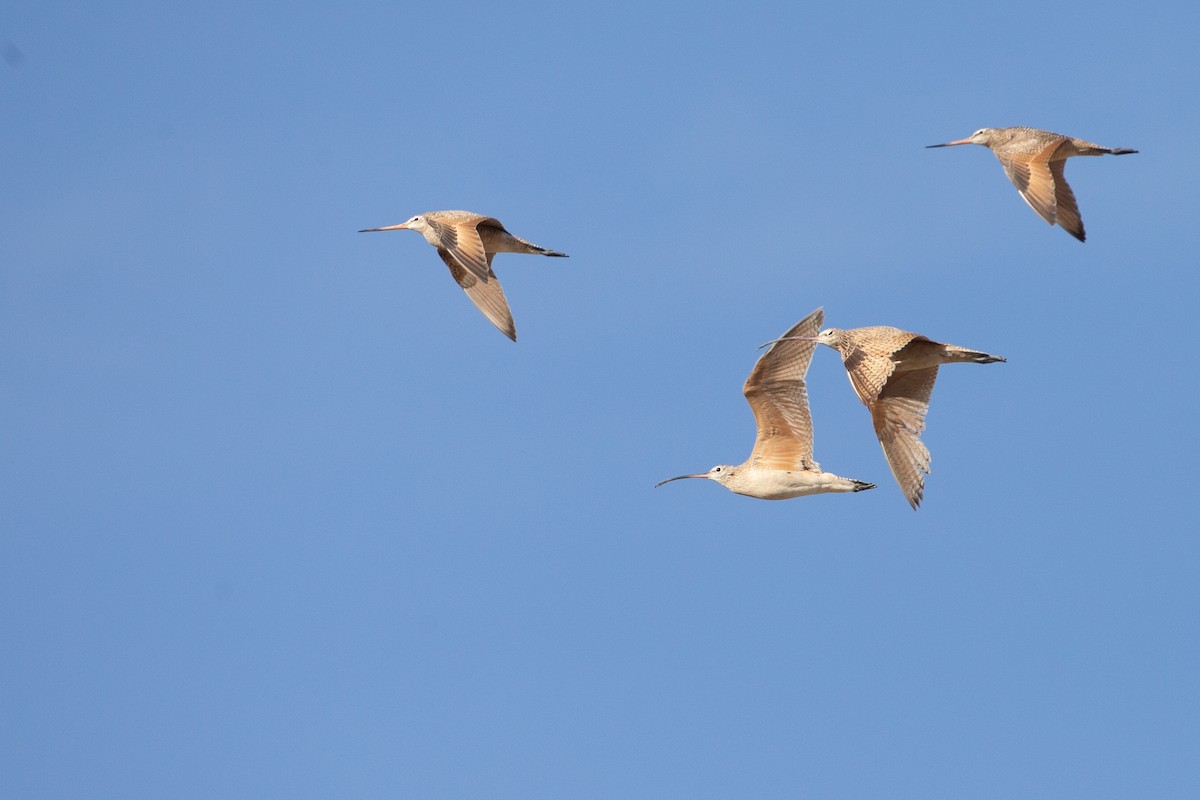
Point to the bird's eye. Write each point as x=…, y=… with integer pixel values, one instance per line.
x=716, y=469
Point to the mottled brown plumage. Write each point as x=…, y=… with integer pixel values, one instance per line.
x=466, y=242
x=781, y=464
x=892, y=372
x=1034, y=160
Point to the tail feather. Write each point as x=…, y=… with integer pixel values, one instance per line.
x=505, y=242
x=1121, y=151
x=974, y=356
x=861, y=486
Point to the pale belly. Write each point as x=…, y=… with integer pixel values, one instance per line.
x=778, y=484
x=919, y=360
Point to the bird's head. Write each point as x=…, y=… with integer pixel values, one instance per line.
x=721, y=473
x=417, y=223
x=830, y=337
x=983, y=136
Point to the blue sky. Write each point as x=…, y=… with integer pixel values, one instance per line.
x=284, y=516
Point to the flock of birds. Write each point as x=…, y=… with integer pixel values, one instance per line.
x=892, y=371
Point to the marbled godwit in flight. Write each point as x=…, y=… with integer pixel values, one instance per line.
x=467, y=242
x=892, y=372
x=781, y=464
x=1034, y=162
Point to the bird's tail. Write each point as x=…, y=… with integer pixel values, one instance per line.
x=526, y=246
x=974, y=356
x=1090, y=149
x=861, y=486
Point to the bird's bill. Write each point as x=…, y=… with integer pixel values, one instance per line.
x=789, y=339
x=403, y=226
x=681, y=477
x=950, y=144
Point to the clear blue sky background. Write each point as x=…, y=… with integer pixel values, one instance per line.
x=284, y=516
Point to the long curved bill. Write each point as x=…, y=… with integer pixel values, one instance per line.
x=403, y=226
x=788, y=339
x=680, y=477
x=949, y=144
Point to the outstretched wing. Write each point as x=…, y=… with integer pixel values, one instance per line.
x=899, y=418
x=461, y=241
x=868, y=372
x=779, y=398
x=1034, y=180
x=488, y=297
x=1067, y=215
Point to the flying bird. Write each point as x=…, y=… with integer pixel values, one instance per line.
x=892, y=372
x=1034, y=161
x=467, y=242
x=781, y=464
